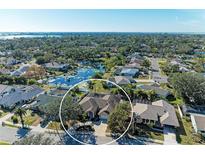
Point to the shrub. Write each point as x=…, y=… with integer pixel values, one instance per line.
x=14, y=119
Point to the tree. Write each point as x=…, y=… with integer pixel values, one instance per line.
x=118, y=119
x=38, y=139
x=146, y=63
x=21, y=113
x=190, y=86
x=40, y=60
x=151, y=95
x=98, y=75
x=36, y=72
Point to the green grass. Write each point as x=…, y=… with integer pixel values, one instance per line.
x=54, y=125
x=3, y=113
x=178, y=101
x=28, y=118
x=98, y=87
x=4, y=143
x=146, y=131
x=11, y=125
x=186, y=134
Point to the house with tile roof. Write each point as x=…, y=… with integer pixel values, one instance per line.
x=159, y=114
x=99, y=105
x=11, y=96
x=122, y=80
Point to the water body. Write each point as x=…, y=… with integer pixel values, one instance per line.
x=81, y=74
x=10, y=37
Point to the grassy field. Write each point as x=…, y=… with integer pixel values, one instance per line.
x=4, y=143
x=186, y=134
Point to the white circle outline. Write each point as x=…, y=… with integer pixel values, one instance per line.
x=105, y=80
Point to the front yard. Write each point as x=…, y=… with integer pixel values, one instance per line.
x=3, y=113
x=30, y=119
x=148, y=132
x=54, y=125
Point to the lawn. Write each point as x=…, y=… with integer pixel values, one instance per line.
x=146, y=131
x=178, y=101
x=29, y=119
x=98, y=87
x=54, y=125
x=3, y=113
x=185, y=133
x=4, y=143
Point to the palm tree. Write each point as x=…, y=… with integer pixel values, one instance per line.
x=21, y=112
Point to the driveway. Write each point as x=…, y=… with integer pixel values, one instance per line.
x=169, y=136
x=10, y=135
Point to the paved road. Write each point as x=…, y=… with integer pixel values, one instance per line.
x=156, y=71
x=10, y=135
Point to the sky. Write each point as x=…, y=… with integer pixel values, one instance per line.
x=102, y=21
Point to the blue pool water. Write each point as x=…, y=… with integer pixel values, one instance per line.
x=81, y=74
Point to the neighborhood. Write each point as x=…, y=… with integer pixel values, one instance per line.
x=166, y=91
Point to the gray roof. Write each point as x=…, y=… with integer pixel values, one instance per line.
x=160, y=111
x=102, y=103
x=11, y=96
x=31, y=91
x=133, y=65
x=158, y=90
x=44, y=99
x=55, y=65
x=4, y=71
x=122, y=80
x=129, y=71
x=200, y=122
x=11, y=100
x=20, y=71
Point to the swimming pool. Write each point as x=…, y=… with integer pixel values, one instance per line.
x=81, y=74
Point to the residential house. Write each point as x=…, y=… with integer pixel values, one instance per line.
x=4, y=71
x=44, y=99
x=131, y=72
x=11, y=96
x=159, y=91
x=122, y=80
x=198, y=123
x=160, y=79
x=188, y=109
x=21, y=70
x=11, y=61
x=159, y=114
x=99, y=105
x=56, y=66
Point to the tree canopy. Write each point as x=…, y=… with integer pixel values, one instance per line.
x=118, y=120
x=190, y=86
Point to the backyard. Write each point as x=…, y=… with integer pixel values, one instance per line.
x=185, y=133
